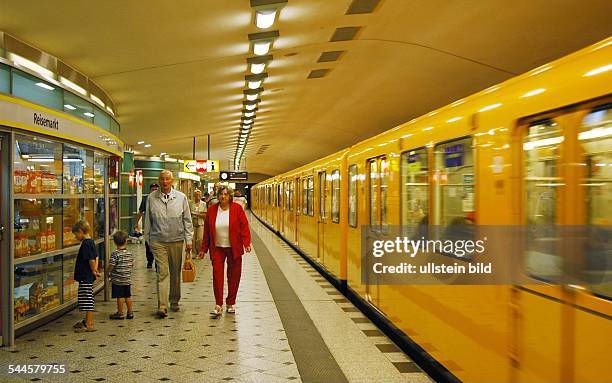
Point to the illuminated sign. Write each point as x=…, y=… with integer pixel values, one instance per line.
x=201, y=166
x=234, y=176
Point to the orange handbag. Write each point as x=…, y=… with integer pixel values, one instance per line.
x=189, y=271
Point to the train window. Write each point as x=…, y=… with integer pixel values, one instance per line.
x=415, y=190
x=291, y=195
x=454, y=183
x=541, y=158
x=305, y=195
x=279, y=194
x=353, y=178
x=335, y=201
x=373, y=183
x=311, y=196
x=269, y=191
x=595, y=140
x=352, y=192
x=378, y=180
x=322, y=193
x=384, y=177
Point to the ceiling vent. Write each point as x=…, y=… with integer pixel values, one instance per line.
x=318, y=73
x=362, y=6
x=263, y=148
x=345, y=33
x=330, y=56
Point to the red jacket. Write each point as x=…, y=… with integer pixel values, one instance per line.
x=239, y=233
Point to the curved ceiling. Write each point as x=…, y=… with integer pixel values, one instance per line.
x=176, y=69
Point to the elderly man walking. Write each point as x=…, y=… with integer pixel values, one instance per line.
x=168, y=226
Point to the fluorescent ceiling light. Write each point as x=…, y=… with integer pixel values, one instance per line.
x=73, y=86
x=252, y=97
x=250, y=106
x=69, y=107
x=72, y=160
x=257, y=68
x=261, y=48
x=110, y=110
x=254, y=84
x=147, y=146
x=599, y=70
x=534, y=92
x=41, y=160
x=97, y=100
x=454, y=119
x=249, y=114
x=595, y=133
x=265, y=18
x=248, y=122
x=89, y=114
x=489, y=107
x=163, y=153
x=543, y=142
x=23, y=62
x=140, y=142
x=45, y=86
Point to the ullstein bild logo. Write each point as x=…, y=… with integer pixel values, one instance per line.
x=47, y=123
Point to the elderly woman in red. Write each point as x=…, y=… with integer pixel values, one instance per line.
x=227, y=236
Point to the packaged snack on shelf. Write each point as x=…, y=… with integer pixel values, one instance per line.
x=50, y=239
x=33, y=244
x=34, y=181
x=41, y=237
x=49, y=182
x=69, y=238
x=20, y=181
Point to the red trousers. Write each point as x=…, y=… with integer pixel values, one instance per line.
x=234, y=269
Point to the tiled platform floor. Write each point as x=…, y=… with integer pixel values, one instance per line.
x=189, y=346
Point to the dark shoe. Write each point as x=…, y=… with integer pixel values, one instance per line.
x=80, y=324
x=150, y=265
x=161, y=314
x=175, y=308
x=116, y=316
x=130, y=315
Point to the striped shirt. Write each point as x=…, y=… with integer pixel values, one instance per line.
x=122, y=262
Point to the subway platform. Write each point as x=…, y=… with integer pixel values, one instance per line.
x=291, y=325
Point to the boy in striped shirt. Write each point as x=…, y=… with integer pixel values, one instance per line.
x=120, y=270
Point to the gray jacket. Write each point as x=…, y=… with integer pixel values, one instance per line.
x=168, y=221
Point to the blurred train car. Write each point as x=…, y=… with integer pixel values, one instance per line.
x=536, y=149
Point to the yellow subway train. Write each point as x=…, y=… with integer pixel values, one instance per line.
x=536, y=149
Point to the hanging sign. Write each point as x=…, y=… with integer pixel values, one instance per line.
x=201, y=166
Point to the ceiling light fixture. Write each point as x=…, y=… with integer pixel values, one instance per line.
x=258, y=68
x=44, y=86
x=248, y=121
x=265, y=19
x=89, y=114
x=69, y=107
x=249, y=114
x=262, y=42
x=251, y=107
x=140, y=142
x=258, y=64
x=147, y=146
x=73, y=86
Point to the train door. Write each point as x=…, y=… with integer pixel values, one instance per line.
x=377, y=179
x=565, y=187
x=321, y=219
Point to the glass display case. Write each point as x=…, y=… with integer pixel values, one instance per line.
x=55, y=184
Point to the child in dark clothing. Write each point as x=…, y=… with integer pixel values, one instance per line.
x=120, y=271
x=85, y=273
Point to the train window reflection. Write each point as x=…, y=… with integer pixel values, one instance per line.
x=305, y=196
x=454, y=183
x=322, y=196
x=373, y=183
x=352, y=192
x=415, y=191
x=384, y=177
x=541, y=157
x=335, y=201
x=595, y=140
x=311, y=196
